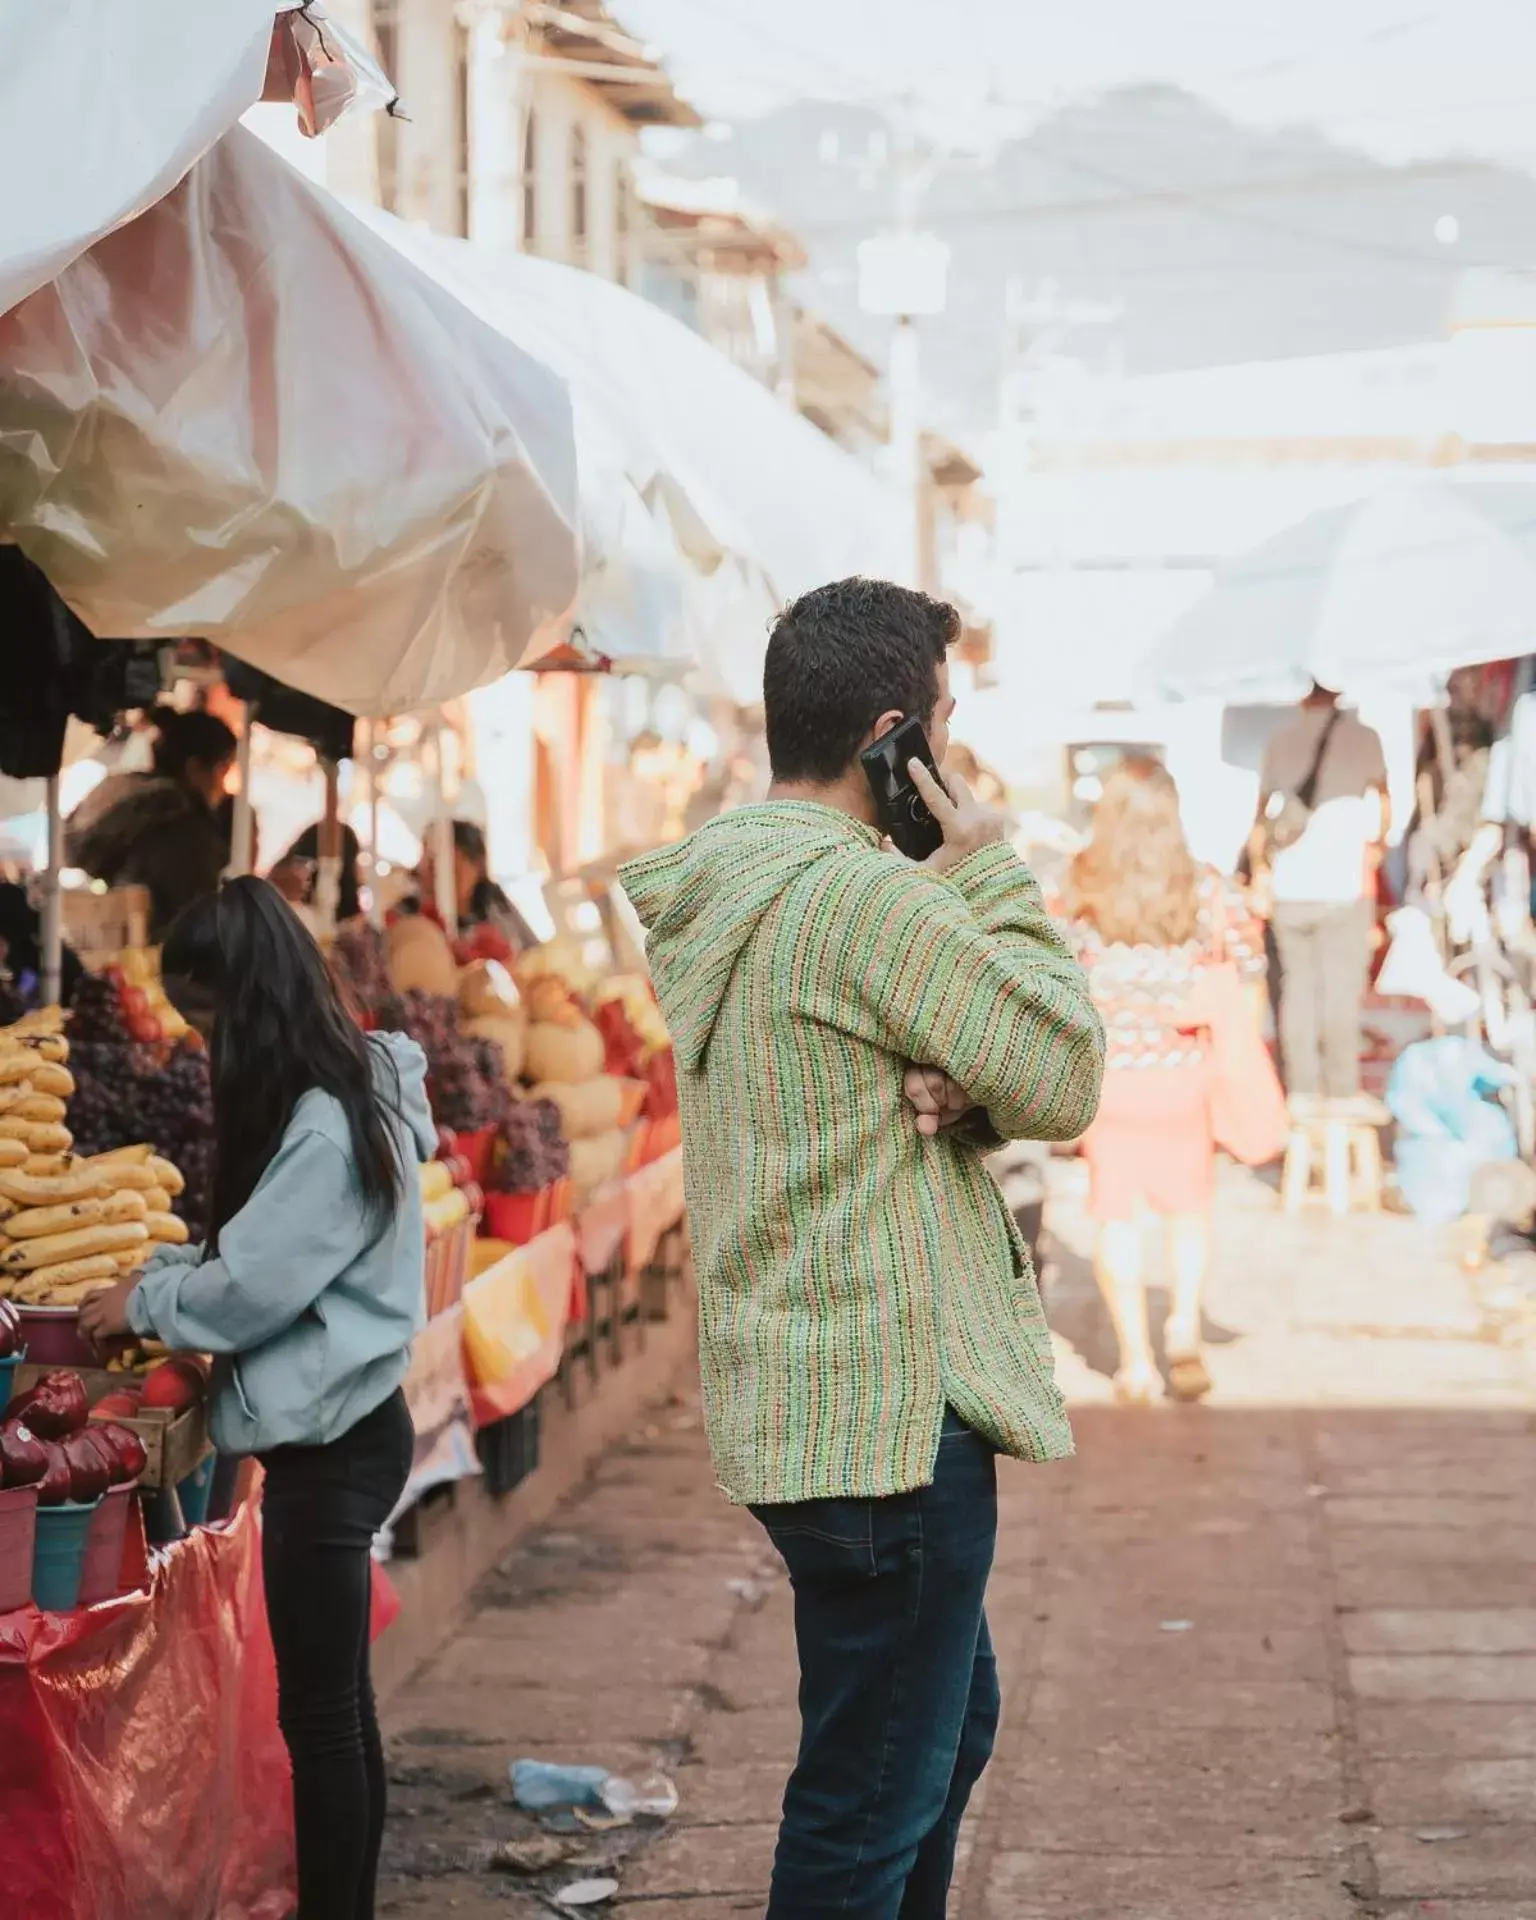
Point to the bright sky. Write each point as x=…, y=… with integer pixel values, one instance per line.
x=1404, y=78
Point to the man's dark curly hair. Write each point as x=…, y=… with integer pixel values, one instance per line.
x=841, y=656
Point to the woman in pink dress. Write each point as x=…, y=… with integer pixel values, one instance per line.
x=1146, y=920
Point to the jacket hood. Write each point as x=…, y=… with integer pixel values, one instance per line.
x=702, y=900
x=409, y=1063
x=103, y=830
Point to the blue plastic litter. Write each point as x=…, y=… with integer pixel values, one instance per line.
x=540, y=1787
x=1442, y=1096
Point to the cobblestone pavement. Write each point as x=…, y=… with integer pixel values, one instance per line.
x=1269, y=1659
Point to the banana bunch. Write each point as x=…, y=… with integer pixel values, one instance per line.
x=68, y=1225
x=35, y=1085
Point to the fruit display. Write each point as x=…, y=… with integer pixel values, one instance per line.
x=420, y=958
x=465, y=1082
x=633, y=995
x=69, y=1223
x=65, y=1235
x=49, y=1440
x=135, y=975
x=128, y=1091
x=357, y=960
x=533, y=1152
x=448, y=1196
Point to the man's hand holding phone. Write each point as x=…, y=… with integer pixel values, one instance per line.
x=967, y=825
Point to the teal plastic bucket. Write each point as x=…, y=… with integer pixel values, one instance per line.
x=7, y=1376
x=195, y=1491
x=59, y=1555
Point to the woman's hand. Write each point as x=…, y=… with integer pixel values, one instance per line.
x=104, y=1315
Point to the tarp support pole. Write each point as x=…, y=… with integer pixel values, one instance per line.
x=242, y=838
x=375, y=891
x=328, y=845
x=53, y=902
x=445, y=880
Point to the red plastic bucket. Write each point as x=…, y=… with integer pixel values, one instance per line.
x=18, y=1539
x=477, y=1148
x=102, y=1575
x=515, y=1217
x=53, y=1337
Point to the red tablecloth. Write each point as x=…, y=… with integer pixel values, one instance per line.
x=142, y=1775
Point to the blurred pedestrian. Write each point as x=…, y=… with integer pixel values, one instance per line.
x=479, y=901
x=870, y=1331
x=296, y=874
x=161, y=830
x=1147, y=921
x=1317, y=847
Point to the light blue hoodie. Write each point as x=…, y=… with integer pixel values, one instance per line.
x=309, y=1309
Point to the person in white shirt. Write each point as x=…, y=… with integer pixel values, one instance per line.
x=1322, y=887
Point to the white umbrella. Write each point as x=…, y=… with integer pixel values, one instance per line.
x=1411, y=582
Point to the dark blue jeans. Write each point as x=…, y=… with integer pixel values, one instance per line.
x=898, y=1689
x=321, y=1507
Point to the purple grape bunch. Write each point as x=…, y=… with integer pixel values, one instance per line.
x=465, y=1082
x=532, y=1152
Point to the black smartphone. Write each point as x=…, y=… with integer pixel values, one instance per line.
x=904, y=813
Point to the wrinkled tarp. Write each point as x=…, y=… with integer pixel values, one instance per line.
x=141, y=1768
x=245, y=417
x=104, y=104
x=739, y=472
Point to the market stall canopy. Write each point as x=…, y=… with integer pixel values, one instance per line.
x=1409, y=583
x=741, y=473
x=245, y=417
x=104, y=104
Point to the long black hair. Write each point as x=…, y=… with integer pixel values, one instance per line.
x=279, y=1029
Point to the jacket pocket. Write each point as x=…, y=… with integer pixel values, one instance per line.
x=237, y=1387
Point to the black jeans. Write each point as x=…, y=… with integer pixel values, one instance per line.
x=1325, y=957
x=321, y=1508
x=898, y=1689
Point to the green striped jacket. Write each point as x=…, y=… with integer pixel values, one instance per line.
x=855, y=1277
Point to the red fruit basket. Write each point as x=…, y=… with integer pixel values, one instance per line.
x=102, y=1575
x=516, y=1217
x=18, y=1532
x=478, y=1149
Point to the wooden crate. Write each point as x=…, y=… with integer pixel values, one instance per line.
x=100, y=925
x=174, y=1443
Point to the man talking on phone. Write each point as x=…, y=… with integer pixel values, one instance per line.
x=854, y=1031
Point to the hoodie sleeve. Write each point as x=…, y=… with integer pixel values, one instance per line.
x=300, y=1230
x=966, y=973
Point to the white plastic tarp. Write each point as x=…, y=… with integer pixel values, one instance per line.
x=104, y=104
x=245, y=417
x=1386, y=593
x=742, y=474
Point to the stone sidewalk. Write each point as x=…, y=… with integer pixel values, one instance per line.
x=1269, y=1659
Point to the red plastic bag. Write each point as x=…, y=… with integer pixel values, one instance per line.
x=141, y=1768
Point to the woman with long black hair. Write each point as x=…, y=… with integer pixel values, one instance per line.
x=307, y=1291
